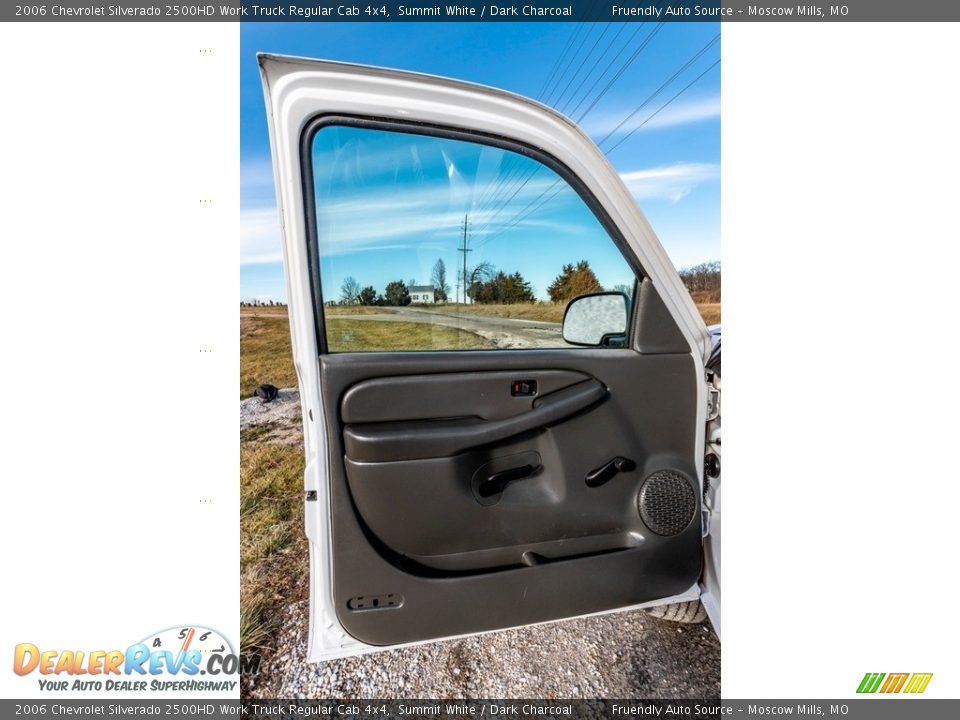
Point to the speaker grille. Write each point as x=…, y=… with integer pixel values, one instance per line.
x=667, y=502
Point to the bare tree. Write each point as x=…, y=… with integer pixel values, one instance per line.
x=349, y=291
x=439, y=279
x=479, y=273
x=703, y=279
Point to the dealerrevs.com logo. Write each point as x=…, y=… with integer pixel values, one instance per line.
x=910, y=683
x=180, y=659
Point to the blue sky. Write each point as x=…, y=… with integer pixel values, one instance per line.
x=671, y=164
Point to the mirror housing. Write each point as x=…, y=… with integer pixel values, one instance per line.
x=595, y=320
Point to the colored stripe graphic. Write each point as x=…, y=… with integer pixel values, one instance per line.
x=918, y=682
x=894, y=682
x=870, y=682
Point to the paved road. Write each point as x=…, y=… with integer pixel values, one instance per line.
x=505, y=332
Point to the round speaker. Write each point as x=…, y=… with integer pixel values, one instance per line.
x=667, y=502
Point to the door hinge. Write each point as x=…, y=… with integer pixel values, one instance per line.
x=713, y=403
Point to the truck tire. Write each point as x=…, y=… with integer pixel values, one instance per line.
x=691, y=612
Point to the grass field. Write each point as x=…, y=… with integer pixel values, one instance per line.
x=265, y=355
x=265, y=335
x=548, y=312
x=710, y=312
x=345, y=335
x=272, y=544
x=356, y=310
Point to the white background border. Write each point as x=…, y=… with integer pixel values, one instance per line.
x=840, y=157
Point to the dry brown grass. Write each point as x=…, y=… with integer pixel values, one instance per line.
x=355, y=310
x=546, y=312
x=271, y=534
x=706, y=296
x=266, y=355
x=277, y=311
x=345, y=335
x=710, y=312
x=265, y=352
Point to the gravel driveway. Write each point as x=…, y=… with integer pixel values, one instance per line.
x=624, y=655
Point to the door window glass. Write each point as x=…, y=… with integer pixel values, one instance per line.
x=429, y=243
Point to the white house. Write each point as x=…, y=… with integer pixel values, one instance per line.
x=421, y=294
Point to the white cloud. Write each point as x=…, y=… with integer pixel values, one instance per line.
x=669, y=182
x=420, y=217
x=406, y=218
x=679, y=113
x=260, y=236
x=256, y=174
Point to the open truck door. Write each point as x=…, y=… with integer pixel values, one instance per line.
x=455, y=482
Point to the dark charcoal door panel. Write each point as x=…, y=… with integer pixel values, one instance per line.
x=422, y=397
x=444, y=437
x=494, y=529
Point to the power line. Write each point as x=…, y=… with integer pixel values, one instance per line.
x=525, y=213
x=583, y=65
x=636, y=53
x=495, y=192
x=658, y=110
x=564, y=62
x=537, y=203
x=573, y=57
x=502, y=204
x=610, y=64
x=623, y=26
x=560, y=58
x=662, y=87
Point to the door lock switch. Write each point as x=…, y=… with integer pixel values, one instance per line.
x=523, y=388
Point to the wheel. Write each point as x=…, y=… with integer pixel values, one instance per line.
x=691, y=612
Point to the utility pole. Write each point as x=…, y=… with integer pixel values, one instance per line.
x=465, y=250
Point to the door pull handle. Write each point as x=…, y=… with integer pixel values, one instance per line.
x=596, y=478
x=496, y=483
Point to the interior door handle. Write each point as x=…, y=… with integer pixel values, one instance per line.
x=497, y=483
x=596, y=478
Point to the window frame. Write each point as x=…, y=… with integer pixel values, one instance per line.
x=308, y=190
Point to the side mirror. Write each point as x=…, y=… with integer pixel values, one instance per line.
x=595, y=320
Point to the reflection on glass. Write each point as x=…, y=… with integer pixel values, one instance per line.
x=452, y=236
